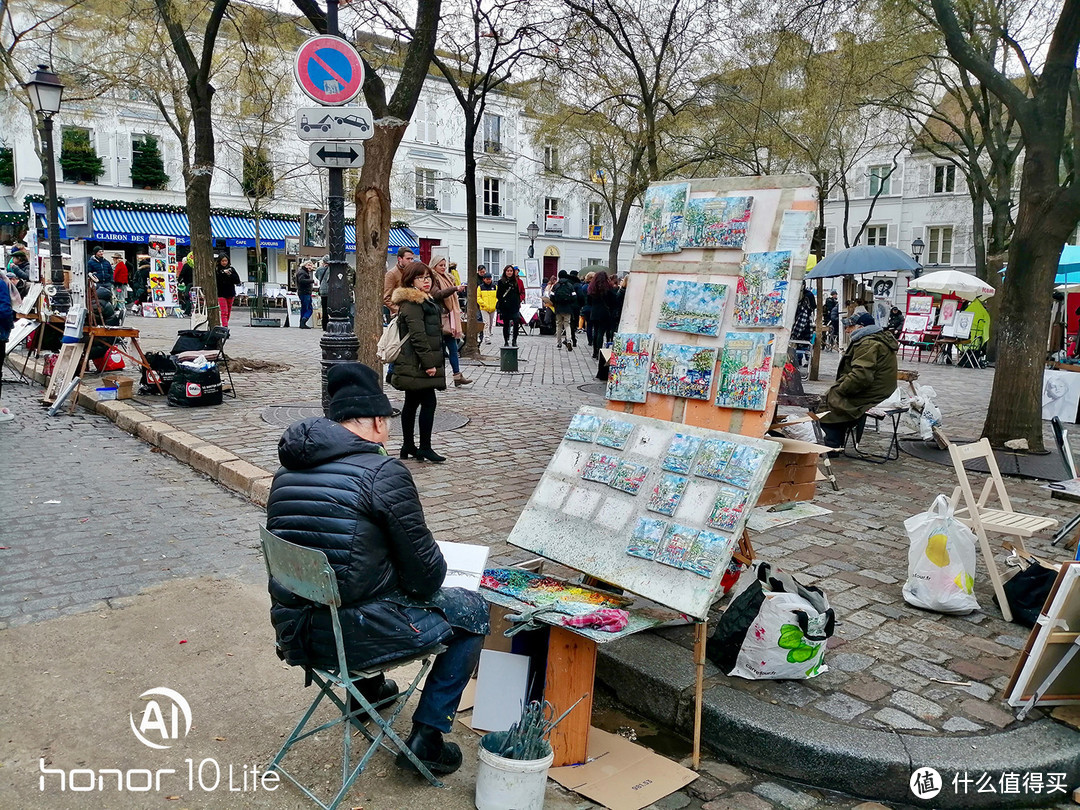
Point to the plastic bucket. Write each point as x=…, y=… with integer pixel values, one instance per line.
x=509, y=784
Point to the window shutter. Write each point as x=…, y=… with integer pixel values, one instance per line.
x=123, y=159
x=174, y=162
x=509, y=257
x=830, y=241
x=897, y=180
x=960, y=242
x=890, y=235
x=446, y=194
x=926, y=177
x=506, y=198
x=852, y=232
x=101, y=146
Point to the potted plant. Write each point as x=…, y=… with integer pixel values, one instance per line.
x=514, y=764
x=147, y=166
x=78, y=159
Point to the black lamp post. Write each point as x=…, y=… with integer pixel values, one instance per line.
x=532, y=231
x=46, y=92
x=917, y=248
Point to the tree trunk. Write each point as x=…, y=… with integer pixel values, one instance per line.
x=1041, y=230
x=618, y=227
x=373, y=236
x=197, y=192
x=471, y=238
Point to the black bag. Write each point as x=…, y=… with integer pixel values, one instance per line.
x=190, y=340
x=162, y=370
x=562, y=293
x=1027, y=591
x=546, y=321
x=193, y=388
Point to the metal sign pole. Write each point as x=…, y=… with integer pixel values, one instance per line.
x=339, y=342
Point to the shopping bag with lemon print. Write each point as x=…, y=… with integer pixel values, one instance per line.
x=941, y=561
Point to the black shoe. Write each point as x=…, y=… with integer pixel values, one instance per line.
x=427, y=743
x=569, y=346
x=429, y=454
x=515, y=342
x=375, y=691
x=389, y=374
x=409, y=450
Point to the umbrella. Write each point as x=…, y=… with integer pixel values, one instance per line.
x=863, y=259
x=953, y=282
x=1069, y=265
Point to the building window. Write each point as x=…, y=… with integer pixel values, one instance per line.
x=596, y=215
x=880, y=180
x=258, y=178
x=551, y=207
x=492, y=133
x=493, y=261
x=424, y=119
x=939, y=245
x=425, y=190
x=877, y=234
x=551, y=159
x=944, y=179
x=492, y=195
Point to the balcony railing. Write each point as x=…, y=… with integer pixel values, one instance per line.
x=493, y=147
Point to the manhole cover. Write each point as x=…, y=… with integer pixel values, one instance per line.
x=285, y=415
x=594, y=388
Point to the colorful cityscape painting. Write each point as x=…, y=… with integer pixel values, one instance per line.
x=682, y=371
x=727, y=509
x=762, y=290
x=667, y=493
x=614, y=433
x=705, y=553
x=742, y=466
x=745, y=370
x=646, y=538
x=628, y=370
x=677, y=541
x=680, y=453
x=600, y=468
x=662, y=218
x=717, y=222
x=629, y=476
x=714, y=457
x=583, y=427
x=693, y=307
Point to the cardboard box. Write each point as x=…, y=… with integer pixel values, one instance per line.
x=794, y=474
x=125, y=386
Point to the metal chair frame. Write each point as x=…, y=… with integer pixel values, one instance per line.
x=306, y=573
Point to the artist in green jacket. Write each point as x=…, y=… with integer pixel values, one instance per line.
x=865, y=377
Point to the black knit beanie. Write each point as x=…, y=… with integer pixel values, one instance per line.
x=355, y=393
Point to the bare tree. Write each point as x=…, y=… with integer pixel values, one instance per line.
x=1049, y=205
x=408, y=63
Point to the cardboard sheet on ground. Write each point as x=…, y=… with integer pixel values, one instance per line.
x=658, y=516
x=1050, y=640
x=500, y=690
x=465, y=564
x=622, y=775
x=761, y=519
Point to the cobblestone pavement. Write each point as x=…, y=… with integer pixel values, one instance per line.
x=129, y=517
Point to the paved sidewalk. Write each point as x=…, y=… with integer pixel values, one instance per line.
x=892, y=668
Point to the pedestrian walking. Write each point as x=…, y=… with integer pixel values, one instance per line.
x=100, y=268
x=184, y=283
x=338, y=492
x=121, y=278
x=509, y=297
x=322, y=274
x=563, y=297
x=451, y=316
x=419, y=369
x=603, y=305
x=575, y=311
x=305, y=283
x=141, y=284
x=227, y=279
x=586, y=307
x=392, y=280
x=487, y=300
x=7, y=323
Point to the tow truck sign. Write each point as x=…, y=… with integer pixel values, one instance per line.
x=334, y=124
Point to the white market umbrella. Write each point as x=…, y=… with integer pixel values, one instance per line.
x=953, y=282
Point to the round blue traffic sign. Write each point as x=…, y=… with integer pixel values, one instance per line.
x=329, y=70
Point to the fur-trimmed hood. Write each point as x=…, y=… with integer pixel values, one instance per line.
x=409, y=294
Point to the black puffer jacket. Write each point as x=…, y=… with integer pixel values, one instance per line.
x=342, y=495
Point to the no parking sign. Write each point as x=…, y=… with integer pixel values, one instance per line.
x=329, y=70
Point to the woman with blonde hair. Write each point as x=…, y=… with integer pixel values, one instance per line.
x=451, y=315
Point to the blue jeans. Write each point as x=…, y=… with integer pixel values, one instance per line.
x=447, y=679
x=450, y=343
x=306, y=308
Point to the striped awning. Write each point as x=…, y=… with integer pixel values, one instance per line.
x=399, y=238
x=40, y=212
x=114, y=225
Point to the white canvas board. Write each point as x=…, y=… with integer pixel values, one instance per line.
x=1040, y=657
x=464, y=564
x=29, y=301
x=500, y=690
x=1060, y=395
x=796, y=232
x=960, y=327
x=588, y=524
x=19, y=332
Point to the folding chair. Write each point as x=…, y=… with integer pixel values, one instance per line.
x=306, y=573
x=977, y=516
x=214, y=351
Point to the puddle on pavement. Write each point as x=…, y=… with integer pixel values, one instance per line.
x=609, y=716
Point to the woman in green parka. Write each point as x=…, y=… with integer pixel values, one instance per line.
x=419, y=369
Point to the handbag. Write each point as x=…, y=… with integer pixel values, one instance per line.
x=1027, y=591
x=389, y=345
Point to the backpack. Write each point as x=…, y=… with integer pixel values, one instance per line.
x=563, y=293
x=389, y=346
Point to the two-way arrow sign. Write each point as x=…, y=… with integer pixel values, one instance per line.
x=336, y=155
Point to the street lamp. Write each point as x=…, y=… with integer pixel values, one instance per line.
x=46, y=91
x=532, y=231
x=917, y=248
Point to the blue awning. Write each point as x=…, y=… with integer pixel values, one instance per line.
x=114, y=225
x=399, y=238
x=40, y=212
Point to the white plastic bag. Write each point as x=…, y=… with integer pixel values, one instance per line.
x=941, y=561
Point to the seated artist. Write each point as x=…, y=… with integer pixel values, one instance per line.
x=866, y=376
x=339, y=492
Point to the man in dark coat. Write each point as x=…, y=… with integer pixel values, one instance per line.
x=564, y=299
x=339, y=492
x=101, y=267
x=865, y=377
x=305, y=283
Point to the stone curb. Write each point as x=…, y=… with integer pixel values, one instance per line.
x=654, y=676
